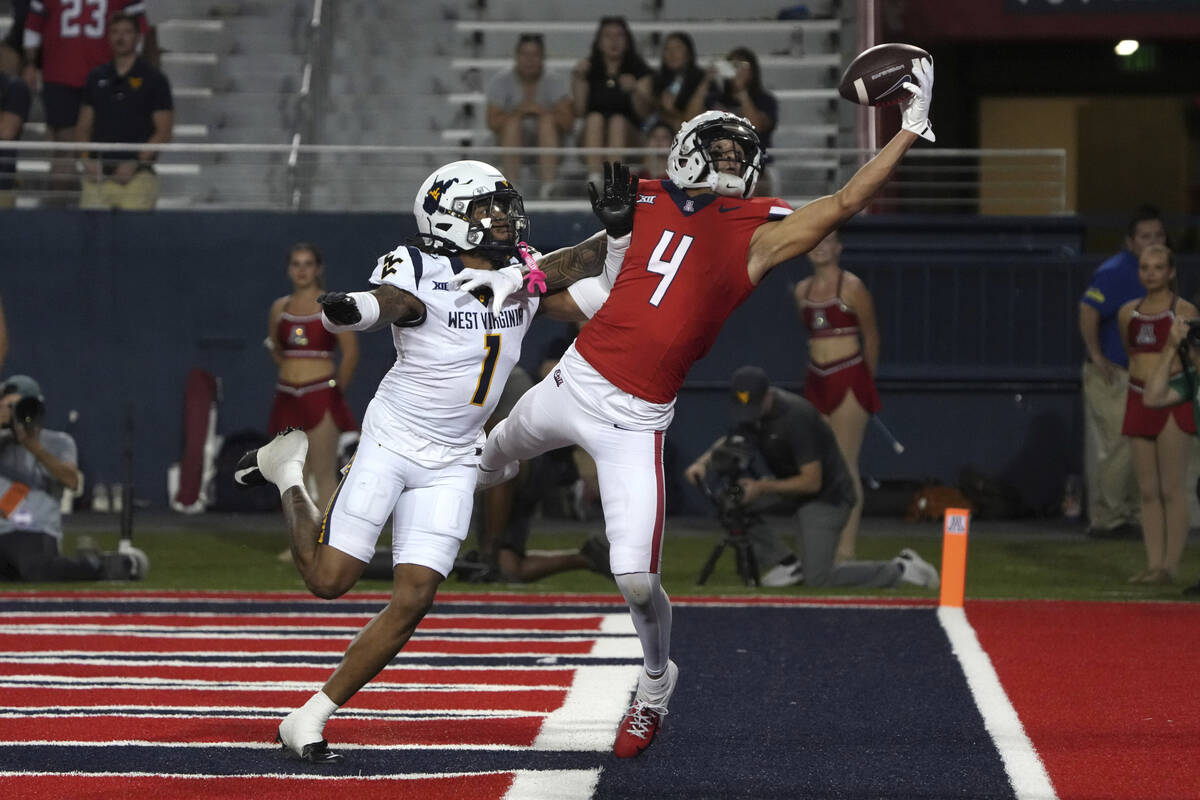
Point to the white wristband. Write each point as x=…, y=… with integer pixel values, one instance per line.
x=368, y=307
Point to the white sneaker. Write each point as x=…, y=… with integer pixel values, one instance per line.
x=782, y=575
x=266, y=464
x=487, y=478
x=296, y=734
x=914, y=569
x=140, y=562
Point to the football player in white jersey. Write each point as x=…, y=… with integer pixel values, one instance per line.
x=423, y=431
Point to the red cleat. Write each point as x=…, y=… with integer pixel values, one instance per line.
x=638, y=728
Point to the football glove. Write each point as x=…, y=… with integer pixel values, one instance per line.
x=914, y=112
x=339, y=308
x=616, y=205
x=502, y=282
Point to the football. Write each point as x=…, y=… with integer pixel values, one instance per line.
x=875, y=76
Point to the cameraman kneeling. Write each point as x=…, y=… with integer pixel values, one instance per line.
x=1164, y=389
x=810, y=472
x=35, y=466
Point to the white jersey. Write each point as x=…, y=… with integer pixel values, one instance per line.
x=450, y=369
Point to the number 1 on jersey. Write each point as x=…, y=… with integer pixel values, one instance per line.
x=666, y=268
x=491, y=343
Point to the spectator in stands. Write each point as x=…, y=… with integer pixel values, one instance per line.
x=806, y=470
x=1166, y=389
x=1112, y=494
x=678, y=91
x=530, y=106
x=843, y=355
x=125, y=100
x=14, y=110
x=1159, y=437
x=309, y=393
x=70, y=39
x=613, y=92
x=12, y=48
x=658, y=142
x=737, y=87
x=36, y=465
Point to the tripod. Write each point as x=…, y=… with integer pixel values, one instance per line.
x=736, y=522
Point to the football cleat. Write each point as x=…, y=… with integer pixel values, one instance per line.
x=783, y=575
x=313, y=753
x=261, y=465
x=914, y=569
x=638, y=728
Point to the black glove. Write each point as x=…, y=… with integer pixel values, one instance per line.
x=615, y=208
x=339, y=307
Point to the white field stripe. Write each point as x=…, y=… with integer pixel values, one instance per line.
x=1025, y=770
x=554, y=784
x=299, y=776
x=253, y=745
x=90, y=684
x=115, y=709
x=135, y=658
x=351, y=713
x=617, y=623
x=296, y=615
x=613, y=648
x=321, y=631
x=588, y=718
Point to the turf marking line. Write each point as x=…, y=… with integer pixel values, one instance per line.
x=592, y=710
x=553, y=783
x=1025, y=770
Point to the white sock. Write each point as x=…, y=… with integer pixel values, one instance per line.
x=309, y=720
x=291, y=474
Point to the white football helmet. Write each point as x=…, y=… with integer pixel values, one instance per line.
x=690, y=164
x=457, y=206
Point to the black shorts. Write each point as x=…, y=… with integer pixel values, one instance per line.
x=62, y=104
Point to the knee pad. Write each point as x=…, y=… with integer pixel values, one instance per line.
x=637, y=588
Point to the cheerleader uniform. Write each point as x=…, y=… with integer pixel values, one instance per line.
x=305, y=405
x=1148, y=334
x=826, y=385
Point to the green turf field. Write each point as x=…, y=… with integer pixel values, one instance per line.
x=1023, y=559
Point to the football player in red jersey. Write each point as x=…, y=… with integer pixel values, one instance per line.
x=685, y=253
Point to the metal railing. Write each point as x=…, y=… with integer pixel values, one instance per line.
x=383, y=178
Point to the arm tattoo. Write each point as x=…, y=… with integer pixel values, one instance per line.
x=569, y=264
x=397, y=307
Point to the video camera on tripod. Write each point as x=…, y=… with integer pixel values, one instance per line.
x=736, y=457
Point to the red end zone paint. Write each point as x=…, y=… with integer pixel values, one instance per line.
x=128, y=643
x=352, y=622
x=1107, y=692
x=221, y=787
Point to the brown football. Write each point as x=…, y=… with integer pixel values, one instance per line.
x=875, y=76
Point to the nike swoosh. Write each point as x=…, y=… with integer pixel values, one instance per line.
x=723, y=209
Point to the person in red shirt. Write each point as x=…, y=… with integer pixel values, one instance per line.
x=71, y=37
x=686, y=252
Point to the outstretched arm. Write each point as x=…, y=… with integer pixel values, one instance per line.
x=369, y=311
x=774, y=243
x=569, y=264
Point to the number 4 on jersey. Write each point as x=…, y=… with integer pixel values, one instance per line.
x=666, y=268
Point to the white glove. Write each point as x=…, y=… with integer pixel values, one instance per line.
x=502, y=282
x=915, y=110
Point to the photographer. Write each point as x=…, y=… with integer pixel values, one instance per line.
x=811, y=477
x=1164, y=389
x=35, y=466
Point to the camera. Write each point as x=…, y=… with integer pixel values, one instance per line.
x=28, y=411
x=735, y=458
x=1193, y=334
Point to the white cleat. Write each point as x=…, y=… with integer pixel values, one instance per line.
x=914, y=569
x=783, y=575
x=265, y=465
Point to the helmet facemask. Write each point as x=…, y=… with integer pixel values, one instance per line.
x=503, y=211
x=722, y=153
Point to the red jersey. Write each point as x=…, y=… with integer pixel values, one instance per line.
x=683, y=275
x=830, y=317
x=73, y=35
x=1148, y=332
x=303, y=336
